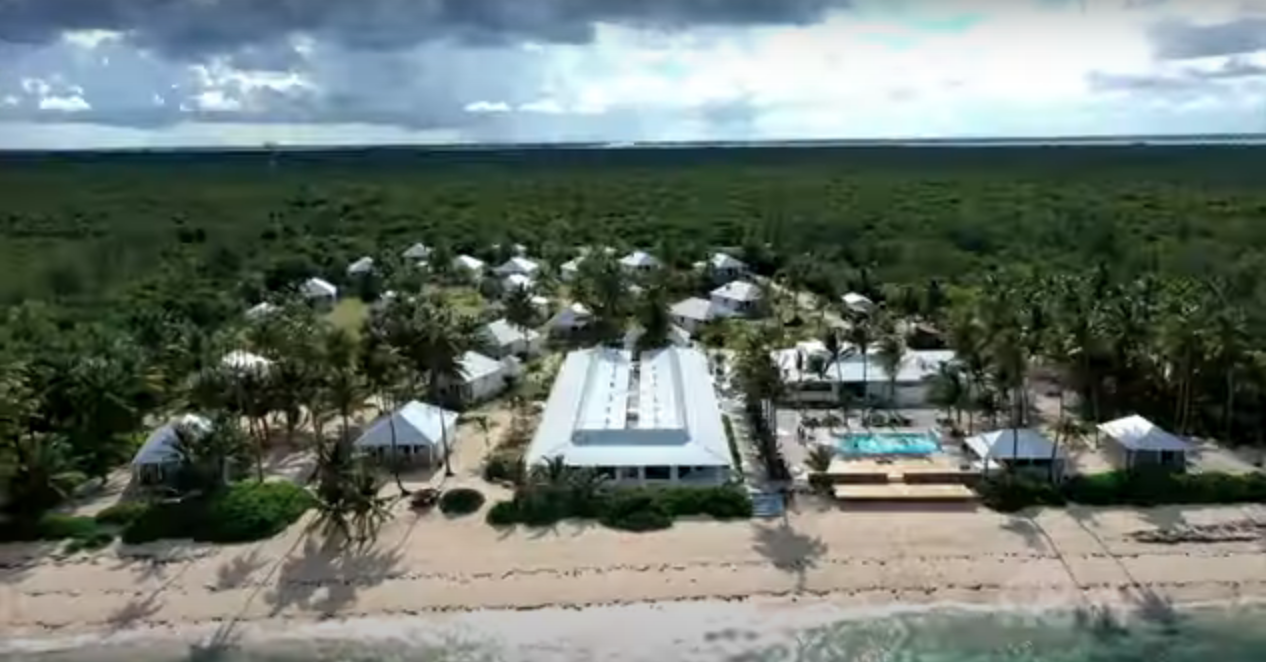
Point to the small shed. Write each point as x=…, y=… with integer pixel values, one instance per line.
x=570, y=269
x=517, y=282
x=1016, y=449
x=691, y=314
x=726, y=267
x=417, y=252
x=471, y=266
x=639, y=261
x=570, y=319
x=422, y=432
x=738, y=297
x=261, y=310
x=318, y=290
x=363, y=266
x=1137, y=442
x=858, y=303
x=483, y=377
x=160, y=456
x=518, y=265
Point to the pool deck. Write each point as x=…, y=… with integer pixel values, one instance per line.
x=939, y=492
x=935, y=463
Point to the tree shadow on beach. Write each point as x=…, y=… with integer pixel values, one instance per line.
x=340, y=570
x=237, y=571
x=1029, y=530
x=788, y=549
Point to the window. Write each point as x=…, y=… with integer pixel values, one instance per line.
x=685, y=472
x=606, y=472
x=629, y=473
x=659, y=473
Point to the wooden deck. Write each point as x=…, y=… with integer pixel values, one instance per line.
x=939, y=492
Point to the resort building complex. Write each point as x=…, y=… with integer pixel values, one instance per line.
x=648, y=418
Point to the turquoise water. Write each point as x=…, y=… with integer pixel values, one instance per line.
x=1089, y=636
x=886, y=443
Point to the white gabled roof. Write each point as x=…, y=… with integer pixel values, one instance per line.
x=476, y=366
x=571, y=265
x=739, y=290
x=260, y=310
x=726, y=261
x=416, y=424
x=694, y=308
x=916, y=366
x=361, y=266
x=317, y=288
x=601, y=413
x=160, y=445
x=468, y=262
x=855, y=300
x=1007, y=445
x=243, y=361
x=575, y=315
x=502, y=333
x=639, y=259
x=517, y=265
x=1139, y=434
x=517, y=281
x=418, y=251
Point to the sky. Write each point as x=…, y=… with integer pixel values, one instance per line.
x=165, y=73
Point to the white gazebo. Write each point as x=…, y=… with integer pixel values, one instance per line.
x=639, y=261
x=417, y=252
x=569, y=319
x=421, y=433
x=261, y=310
x=361, y=267
x=518, y=266
x=159, y=456
x=1139, y=442
x=318, y=290
x=1016, y=449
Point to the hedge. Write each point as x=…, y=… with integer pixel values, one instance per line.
x=244, y=512
x=1124, y=488
x=82, y=532
x=634, y=509
x=461, y=501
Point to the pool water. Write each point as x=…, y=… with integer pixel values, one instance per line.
x=886, y=443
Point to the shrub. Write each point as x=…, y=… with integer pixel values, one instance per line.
x=55, y=526
x=242, y=513
x=639, y=510
x=728, y=502
x=1009, y=493
x=122, y=514
x=461, y=501
x=503, y=513
x=505, y=466
x=1154, y=487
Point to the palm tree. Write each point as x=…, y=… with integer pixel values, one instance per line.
x=949, y=391
x=652, y=315
x=382, y=368
x=205, y=456
x=519, y=309
x=835, y=352
x=891, y=357
x=820, y=458
x=860, y=334
x=600, y=286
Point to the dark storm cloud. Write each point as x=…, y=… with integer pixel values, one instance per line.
x=191, y=28
x=1185, y=80
x=1174, y=40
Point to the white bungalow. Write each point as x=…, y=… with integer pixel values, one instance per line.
x=541, y=303
x=506, y=339
x=651, y=419
x=738, y=297
x=317, y=290
x=159, y=456
x=472, y=267
x=570, y=269
x=261, y=310
x=639, y=261
x=361, y=267
x=857, y=303
x=691, y=314
x=417, y=252
x=243, y=362
x=726, y=267
x=1137, y=442
x=518, y=266
x=422, y=432
x=517, y=282
x=483, y=377
x=810, y=375
x=518, y=249
x=1015, y=449
x=570, y=319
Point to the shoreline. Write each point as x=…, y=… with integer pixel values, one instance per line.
x=429, y=571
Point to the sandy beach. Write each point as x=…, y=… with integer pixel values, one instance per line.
x=432, y=566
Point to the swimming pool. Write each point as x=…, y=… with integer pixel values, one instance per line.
x=886, y=443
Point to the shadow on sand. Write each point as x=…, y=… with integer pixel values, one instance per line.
x=788, y=550
x=341, y=571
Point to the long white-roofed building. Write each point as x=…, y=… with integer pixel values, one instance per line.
x=645, y=419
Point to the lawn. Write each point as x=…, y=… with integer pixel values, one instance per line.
x=349, y=314
x=465, y=300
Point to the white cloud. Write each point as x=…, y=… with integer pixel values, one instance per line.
x=884, y=69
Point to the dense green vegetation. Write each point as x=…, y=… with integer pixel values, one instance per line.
x=1132, y=274
x=461, y=501
x=1116, y=488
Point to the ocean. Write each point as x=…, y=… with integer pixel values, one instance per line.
x=728, y=632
